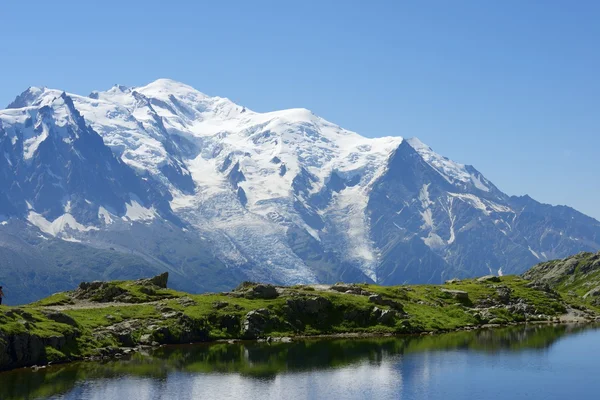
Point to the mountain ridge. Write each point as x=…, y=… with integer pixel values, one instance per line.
x=284, y=197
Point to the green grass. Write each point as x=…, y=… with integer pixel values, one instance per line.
x=57, y=299
x=160, y=313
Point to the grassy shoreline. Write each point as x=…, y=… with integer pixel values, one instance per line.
x=106, y=319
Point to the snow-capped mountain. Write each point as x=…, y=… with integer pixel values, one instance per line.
x=165, y=177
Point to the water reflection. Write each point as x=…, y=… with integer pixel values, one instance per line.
x=405, y=367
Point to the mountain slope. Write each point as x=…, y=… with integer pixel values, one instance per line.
x=284, y=196
x=576, y=276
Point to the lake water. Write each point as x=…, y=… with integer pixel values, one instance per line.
x=535, y=362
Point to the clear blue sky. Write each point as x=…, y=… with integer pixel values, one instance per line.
x=511, y=87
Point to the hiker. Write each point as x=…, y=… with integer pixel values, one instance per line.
x=1, y=295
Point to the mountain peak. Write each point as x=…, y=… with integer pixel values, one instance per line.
x=284, y=196
x=163, y=86
x=27, y=98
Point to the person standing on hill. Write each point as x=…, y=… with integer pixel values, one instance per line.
x=1, y=295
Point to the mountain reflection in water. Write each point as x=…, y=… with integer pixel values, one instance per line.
x=450, y=366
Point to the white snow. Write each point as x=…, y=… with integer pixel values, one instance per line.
x=484, y=205
x=167, y=123
x=477, y=181
x=15, y=121
x=137, y=212
x=105, y=216
x=434, y=241
x=452, y=171
x=536, y=255
x=426, y=202
x=60, y=224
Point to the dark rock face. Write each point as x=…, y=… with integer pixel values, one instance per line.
x=255, y=323
x=24, y=349
x=377, y=299
x=262, y=292
x=385, y=317
x=102, y=292
x=428, y=228
x=308, y=305
x=251, y=290
x=79, y=167
x=160, y=280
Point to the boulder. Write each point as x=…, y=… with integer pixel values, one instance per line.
x=385, y=317
x=452, y=281
x=255, y=323
x=229, y=322
x=543, y=287
x=342, y=288
x=220, y=304
x=60, y=318
x=262, y=291
x=457, y=294
x=488, y=278
x=186, y=301
x=160, y=280
x=146, y=339
x=251, y=290
x=358, y=316
x=377, y=299
x=503, y=294
x=308, y=305
x=102, y=292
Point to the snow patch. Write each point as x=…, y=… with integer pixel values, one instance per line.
x=434, y=241
x=60, y=224
x=104, y=215
x=137, y=212
x=536, y=255
x=478, y=183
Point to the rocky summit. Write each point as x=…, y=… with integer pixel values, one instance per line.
x=133, y=181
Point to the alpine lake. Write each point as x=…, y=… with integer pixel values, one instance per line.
x=518, y=362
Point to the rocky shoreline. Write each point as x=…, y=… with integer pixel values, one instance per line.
x=104, y=320
x=108, y=354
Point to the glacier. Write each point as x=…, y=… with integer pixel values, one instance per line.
x=282, y=196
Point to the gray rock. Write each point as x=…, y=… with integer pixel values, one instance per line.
x=261, y=291
x=503, y=294
x=457, y=294
x=186, y=301
x=146, y=339
x=255, y=323
x=60, y=318
x=229, y=322
x=488, y=278
x=342, y=288
x=220, y=304
x=377, y=299
x=308, y=305
x=385, y=317
x=160, y=280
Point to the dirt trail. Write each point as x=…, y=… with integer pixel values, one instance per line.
x=86, y=305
